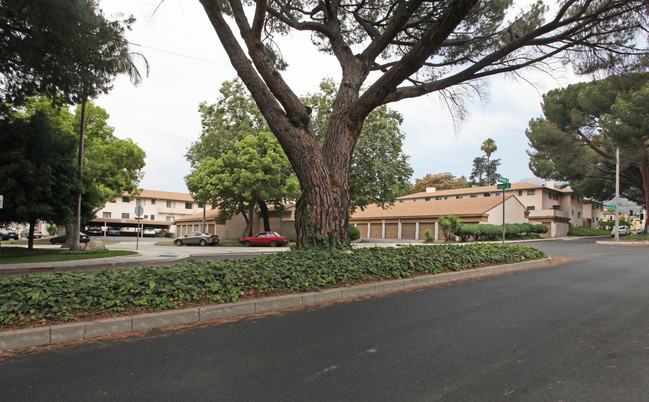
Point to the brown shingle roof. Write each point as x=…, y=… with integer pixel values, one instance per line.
x=458, y=207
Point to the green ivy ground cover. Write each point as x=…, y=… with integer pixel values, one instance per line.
x=61, y=295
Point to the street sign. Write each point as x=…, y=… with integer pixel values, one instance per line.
x=139, y=210
x=503, y=186
x=503, y=180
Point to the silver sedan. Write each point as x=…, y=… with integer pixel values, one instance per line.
x=197, y=238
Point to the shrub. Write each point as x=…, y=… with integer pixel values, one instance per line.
x=449, y=225
x=465, y=232
x=490, y=231
x=428, y=236
x=354, y=233
x=30, y=298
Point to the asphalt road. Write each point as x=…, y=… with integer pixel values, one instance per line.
x=573, y=331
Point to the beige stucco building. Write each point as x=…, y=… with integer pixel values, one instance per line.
x=282, y=222
x=525, y=202
x=161, y=210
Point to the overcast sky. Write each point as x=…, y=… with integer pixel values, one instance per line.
x=188, y=66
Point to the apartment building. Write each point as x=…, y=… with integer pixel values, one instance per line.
x=160, y=210
x=546, y=204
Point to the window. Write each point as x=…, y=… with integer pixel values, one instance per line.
x=474, y=195
x=170, y=219
x=520, y=193
x=578, y=215
x=125, y=215
x=531, y=208
x=427, y=198
x=126, y=199
x=458, y=197
x=531, y=192
x=189, y=205
x=487, y=194
x=152, y=217
x=140, y=201
x=152, y=202
x=171, y=204
x=439, y=198
x=554, y=196
x=556, y=207
x=105, y=215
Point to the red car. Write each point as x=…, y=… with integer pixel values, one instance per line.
x=272, y=239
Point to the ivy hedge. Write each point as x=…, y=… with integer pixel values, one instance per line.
x=61, y=295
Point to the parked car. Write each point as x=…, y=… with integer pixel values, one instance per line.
x=197, y=238
x=37, y=234
x=7, y=234
x=111, y=231
x=149, y=232
x=641, y=231
x=95, y=231
x=83, y=238
x=624, y=231
x=272, y=239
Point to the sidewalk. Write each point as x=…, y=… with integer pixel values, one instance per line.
x=148, y=255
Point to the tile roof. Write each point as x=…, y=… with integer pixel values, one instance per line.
x=483, y=189
x=459, y=207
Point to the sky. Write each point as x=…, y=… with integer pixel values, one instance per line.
x=188, y=65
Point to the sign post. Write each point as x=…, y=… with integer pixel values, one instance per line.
x=139, y=210
x=503, y=184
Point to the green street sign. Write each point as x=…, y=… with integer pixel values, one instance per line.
x=503, y=179
x=504, y=186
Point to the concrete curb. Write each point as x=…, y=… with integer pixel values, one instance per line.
x=24, y=338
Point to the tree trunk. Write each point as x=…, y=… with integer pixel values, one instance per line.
x=30, y=237
x=251, y=211
x=264, y=214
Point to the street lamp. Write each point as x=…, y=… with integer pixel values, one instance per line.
x=617, y=188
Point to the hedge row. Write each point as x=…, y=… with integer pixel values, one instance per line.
x=493, y=232
x=62, y=295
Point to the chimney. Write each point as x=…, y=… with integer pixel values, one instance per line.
x=431, y=189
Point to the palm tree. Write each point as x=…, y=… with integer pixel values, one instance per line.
x=489, y=147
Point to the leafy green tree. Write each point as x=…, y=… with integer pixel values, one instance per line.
x=256, y=169
x=113, y=167
x=583, y=123
x=66, y=50
x=441, y=181
x=394, y=50
x=63, y=49
x=38, y=168
x=485, y=172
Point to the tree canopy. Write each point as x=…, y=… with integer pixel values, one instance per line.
x=441, y=181
x=583, y=123
x=39, y=163
x=396, y=49
x=255, y=170
x=379, y=172
x=60, y=49
x=38, y=166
